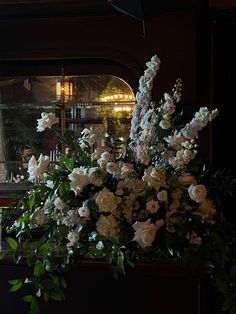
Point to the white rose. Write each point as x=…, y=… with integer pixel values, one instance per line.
x=106, y=201
x=107, y=226
x=40, y=218
x=84, y=212
x=59, y=203
x=112, y=168
x=197, y=193
x=145, y=233
x=155, y=178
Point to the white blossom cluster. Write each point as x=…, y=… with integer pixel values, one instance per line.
x=143, y=96
x=107, y=198
x=152, y=131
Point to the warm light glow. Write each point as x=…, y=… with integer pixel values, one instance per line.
x=64, y=90
x=120, y=97
x=122, y=108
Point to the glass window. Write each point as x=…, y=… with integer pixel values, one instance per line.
x=101, y=101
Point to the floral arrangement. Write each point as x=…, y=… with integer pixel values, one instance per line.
x=146, y=199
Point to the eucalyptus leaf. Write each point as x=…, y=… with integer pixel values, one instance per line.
x=38, y=269
x=12, y=243
x=16, y=286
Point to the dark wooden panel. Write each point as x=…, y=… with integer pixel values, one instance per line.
x=161, y=288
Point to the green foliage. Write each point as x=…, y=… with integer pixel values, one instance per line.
x=147, y=200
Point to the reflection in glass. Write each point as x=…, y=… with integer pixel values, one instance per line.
x=100, y=101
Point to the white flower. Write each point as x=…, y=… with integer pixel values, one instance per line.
x=107, y=226
x=79, y=179
x=197, y=193
x=71, y=219
x=88, y=136
x=36, y=169
x=169, y=105
x=73, y=237
x=47, y=120
x=155, y=178
x=145, y=233
x=96, y=175
x=84, y=212
x=59, y=203
x=49, y=184
x=125, y=169
x=112, y=168
x=104, y=159
x=40, y=218
x=165, y=124
x=152, y=206
x=107, y=201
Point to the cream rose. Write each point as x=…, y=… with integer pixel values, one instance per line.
x=84, y=212
x=107, y=226
x=59, y=203
x=145, y=233
x=197, y=193
x=187, y=179
x=40, y=218
x=107, y=201
x=112, y=168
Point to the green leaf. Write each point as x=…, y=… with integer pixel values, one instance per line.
x=46, y=296
x=13, y=281
x=120, y=264
x=38, y=269
x=28, y=298
x=34, y=309
x=32, y=200
x=57, y=296
x=16, y=286
x=5, y=253
x=43, y=248
x=66, y=162
x=55, y=280
x=34, y=245
x=233, y=310
x=64, y=188
x=17, y=256
x=31, y=258
x=12, y=243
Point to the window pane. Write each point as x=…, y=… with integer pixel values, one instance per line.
x=79, y=101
